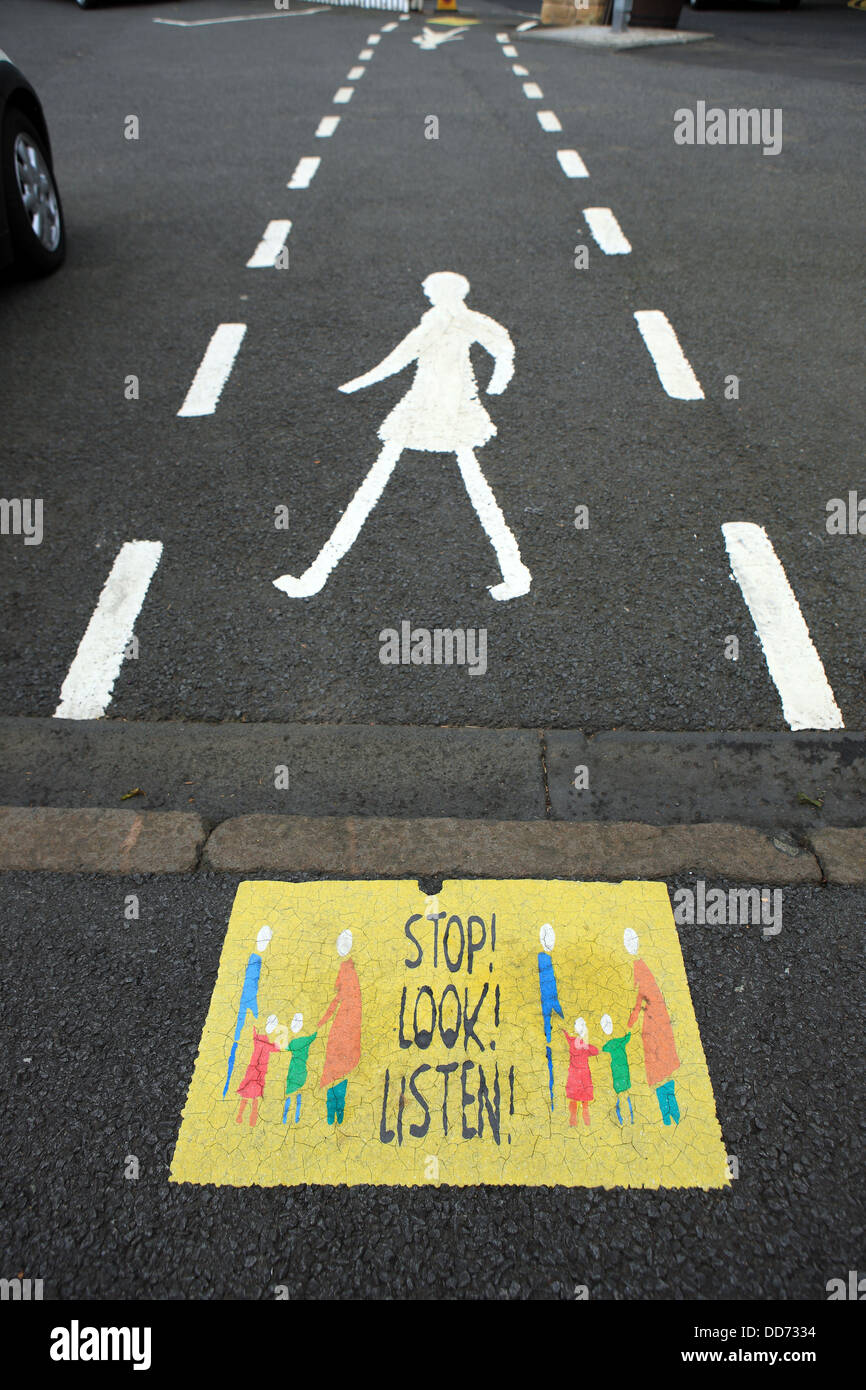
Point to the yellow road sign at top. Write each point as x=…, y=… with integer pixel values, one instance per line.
x=507, y=1032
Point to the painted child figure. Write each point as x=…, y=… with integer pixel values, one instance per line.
x=297, y=1073
x=253, y=1085
x=578, y=1086
x=619, y=1068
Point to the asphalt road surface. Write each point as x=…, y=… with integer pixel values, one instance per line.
x=749, y=256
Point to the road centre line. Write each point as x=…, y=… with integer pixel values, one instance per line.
x=510, y=51
x=214, y=370
x=326, y=127
x=354, y=74
x=792, y=659
x=673, y=367
x=572, y=165
x=89, y=682
x=607, y=231
x=519, y=70
x=239, y=18
x=532, y=91
x=548, y=120
x=305, y=171
x=343, y=95
x=271, y=245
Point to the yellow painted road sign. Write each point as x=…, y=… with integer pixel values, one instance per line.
x=506, y=1032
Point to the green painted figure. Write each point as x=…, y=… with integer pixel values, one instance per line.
x=298, y=1049
x=619, y=1068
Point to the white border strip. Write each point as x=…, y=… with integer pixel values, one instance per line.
x=86, y=692
x=794, y=664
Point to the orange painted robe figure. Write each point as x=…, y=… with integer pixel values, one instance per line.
x=343, y=1052
x=659, y=1051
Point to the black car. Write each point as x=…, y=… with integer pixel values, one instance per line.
x=31, y=217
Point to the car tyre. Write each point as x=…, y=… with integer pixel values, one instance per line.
x=33, y=209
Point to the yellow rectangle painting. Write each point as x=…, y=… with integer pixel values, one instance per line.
x=514, y=1032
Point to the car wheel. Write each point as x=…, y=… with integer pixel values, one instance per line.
x=33, y=208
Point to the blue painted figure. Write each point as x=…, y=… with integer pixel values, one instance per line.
x=549, y=998
x=249, y=995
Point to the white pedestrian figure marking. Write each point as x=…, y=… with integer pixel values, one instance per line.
x=441, y=413
x=428, y=39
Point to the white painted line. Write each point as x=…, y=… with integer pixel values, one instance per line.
x=239, y=18
x=502, y=38
x=343, y=95
x=533, y=91
x=607, y=231
x=373, y=38
x=354, y=74
x=86, y=692
x=270, y=245
x=671, y=363
x=572, y=165
x=548, y=120
x=214, y=370
x=326, y=127
x=510, y=51
x=305, y=171
x=794, y=664
x=519, y=70
x=365, y=55
x=386, y=28
x=529, y=24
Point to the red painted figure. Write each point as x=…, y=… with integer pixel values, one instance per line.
x=253, y=1085
x=578, y=1086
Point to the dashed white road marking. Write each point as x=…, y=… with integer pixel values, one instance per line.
x=373, y=38
x=214, y=370
x=548, y=120
x=270, y=245
x=528, y=24
x=365, y=55
x=305, y=171
x=792, y=660
x=532, y=91
x=86, y=691
x=673, y=367
x=607, y=231
x=502, y=38
x=326, y=127
x=239, y=18
x=386, y=28
x=354, y=73
x=572, y=165
x=519, y=70
x=510, y=51
x=343, y=95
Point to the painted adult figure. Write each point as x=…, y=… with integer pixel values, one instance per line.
x=441, y=413
x=249, y=995
x=659, y=1050
x=549, y=997
x=343, y=1051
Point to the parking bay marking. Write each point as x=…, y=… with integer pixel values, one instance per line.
x=792, y=660
x=673, y=367
x=86, y=691
x=572, y=165
x=548, y=120
x=305, y=171
x=214, y=370
x=607, y=231
x=271, y=245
